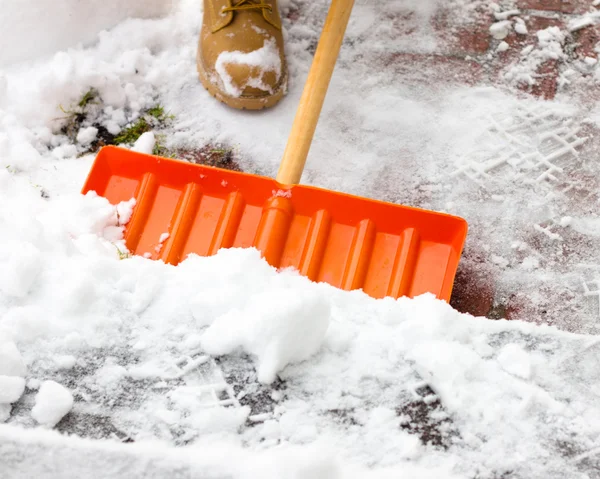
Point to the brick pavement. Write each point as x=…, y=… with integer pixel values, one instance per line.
x=469, y=53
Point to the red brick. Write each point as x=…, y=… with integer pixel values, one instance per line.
x=474, y=41
x=434, y=68
x=472, y=38
x=546, y=82
x=563, y=6
x=586, y=40
x=473, y=290
x=534, y=24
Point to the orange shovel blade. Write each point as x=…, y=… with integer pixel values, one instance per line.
x=347, y=241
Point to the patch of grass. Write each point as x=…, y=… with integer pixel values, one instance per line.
x=122, y=254
x=154, y=118
x=78, y=114
x=158, y=112
x=161, y=150
x=133, y=132
x=88, y=98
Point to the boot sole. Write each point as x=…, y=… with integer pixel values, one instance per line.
x=240, y=103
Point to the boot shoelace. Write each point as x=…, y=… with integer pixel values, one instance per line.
x=248, y=5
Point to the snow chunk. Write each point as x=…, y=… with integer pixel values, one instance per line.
x=65, y=151
x=5, y=412
x=86, y=135
x=34, y=384
x=515, y=360
x=502, y=46
x=20, y=265
x=163, y=237
x=52, y=402
x=259, y=62
x=145, y=143
x=500, y=30
x=280, y=328
x=24, y=156
x=506, y=15
x=11, y=361
x=583, y=22
x=550, y=37
x=65, y=361
x=11, y=389
x=520, y=27
x=125, y=210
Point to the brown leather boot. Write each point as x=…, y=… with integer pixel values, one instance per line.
x=241, y=59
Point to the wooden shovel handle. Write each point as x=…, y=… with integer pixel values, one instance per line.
x=313, y=96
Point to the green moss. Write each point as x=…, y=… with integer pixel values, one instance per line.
x=158, y=112
x=151, y=119
x=122, y=254
x=133, y=132
x=77, y=114
x=88, y=98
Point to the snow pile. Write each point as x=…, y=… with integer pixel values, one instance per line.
x=12, y=374
x=11, y=361
x=155, y=460
x=11, y=388
x=52, y=403
x=586, y=20
x=278, y=333
x=145, y=143
x=34, y=29
x=506, y=21
x=549, y=47
x=347, y=373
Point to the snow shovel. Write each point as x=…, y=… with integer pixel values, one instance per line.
x=347, y=241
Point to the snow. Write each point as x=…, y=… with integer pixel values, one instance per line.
x=505, y=15
x=52, y=402
x=257, y=63
x=65, y=362
x=520, y=27
x=279, y=329
x=11, y=389
x=87, y=135
x=11, y=361
x=515, y=360
x=66, y=23
x=583, y=21
x=264, y=372
x=549, y=46
x=5, y=410
x=500, y=30
x=145, y=143
x=502, y=46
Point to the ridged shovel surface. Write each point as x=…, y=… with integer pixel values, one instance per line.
x=347, y=241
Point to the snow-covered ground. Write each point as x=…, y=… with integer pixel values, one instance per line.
x=222, y=367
